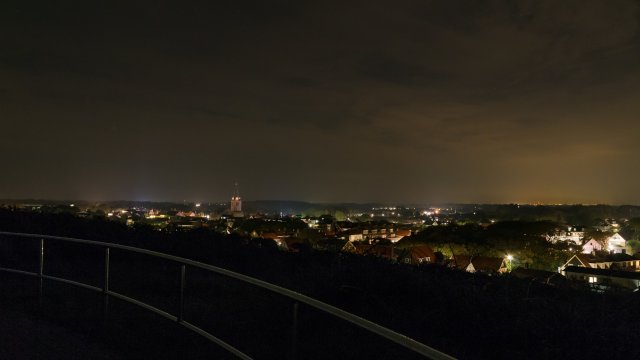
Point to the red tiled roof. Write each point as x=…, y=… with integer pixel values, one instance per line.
x=487, y=264
x=416, y=253
x=461, y=261
x=403, y=232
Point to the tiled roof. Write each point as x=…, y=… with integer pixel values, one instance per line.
x=461, y=261
x=421, y=251
x=480, y=263
x=374, y=249
x=485, y=263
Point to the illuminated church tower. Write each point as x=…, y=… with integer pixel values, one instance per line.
x=236, y=204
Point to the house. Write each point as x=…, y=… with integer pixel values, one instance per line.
x=403, y=232
x=355, y=235
x=349, y=247
x=399, y=235
x=616, y=244
x=292, y=244
x=540, y=276
x=573, y=234
x=604, y=279
x=417, y=255
x=622, y=262
x=482, y=264
x=378, y=250
x=591, y=246
x=576, y=260
x=608, y=225
x=282, y=240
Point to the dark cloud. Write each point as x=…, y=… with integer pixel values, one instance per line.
x=409, y=101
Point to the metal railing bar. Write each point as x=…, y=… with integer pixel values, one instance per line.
x=105, y=286
x=216, y=340
x=41, y=272
x=188, y=325
x=387, y=333
x=71, y=282
x=143, y=305
x=153, y=309
x=22, y=272
x=183, y=270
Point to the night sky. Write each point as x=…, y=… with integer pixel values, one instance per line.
x=394, y=101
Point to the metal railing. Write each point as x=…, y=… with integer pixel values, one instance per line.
x=178, y=318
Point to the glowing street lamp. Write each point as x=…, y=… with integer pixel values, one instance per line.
x=509, y=260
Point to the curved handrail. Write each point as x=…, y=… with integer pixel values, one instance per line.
x=387, y=333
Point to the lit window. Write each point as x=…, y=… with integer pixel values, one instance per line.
x=593, y=279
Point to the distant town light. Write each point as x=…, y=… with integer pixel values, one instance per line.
x=197, y=204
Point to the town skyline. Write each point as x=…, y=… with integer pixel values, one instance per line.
x=9, y=200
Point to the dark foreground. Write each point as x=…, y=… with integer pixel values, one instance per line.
x=467, y=316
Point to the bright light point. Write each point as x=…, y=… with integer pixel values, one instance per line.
x=197, y=204
x=509, y=257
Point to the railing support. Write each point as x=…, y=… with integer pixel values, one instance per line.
x=372, y=327
x=40, y=272
x=105, y=287
x=183, y=271
x=294, y=333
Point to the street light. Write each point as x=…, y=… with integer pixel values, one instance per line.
x=509, y=259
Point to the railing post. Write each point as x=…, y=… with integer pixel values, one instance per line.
x=105, y=288
x=294, y=333
x=183, y=270
x=40, y=272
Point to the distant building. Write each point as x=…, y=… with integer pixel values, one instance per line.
x=573, y=234
x=591, y=246
x=576, y=260
x=622, y=262
x=604, y=279
x=236, y=205
x=540, y=276
x=616, y=244
x=373, y=233
x=355, y=235
x=377, y=250
x=608, y=225
x=417, y=255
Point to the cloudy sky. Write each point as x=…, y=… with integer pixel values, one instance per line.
x=397, y=101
